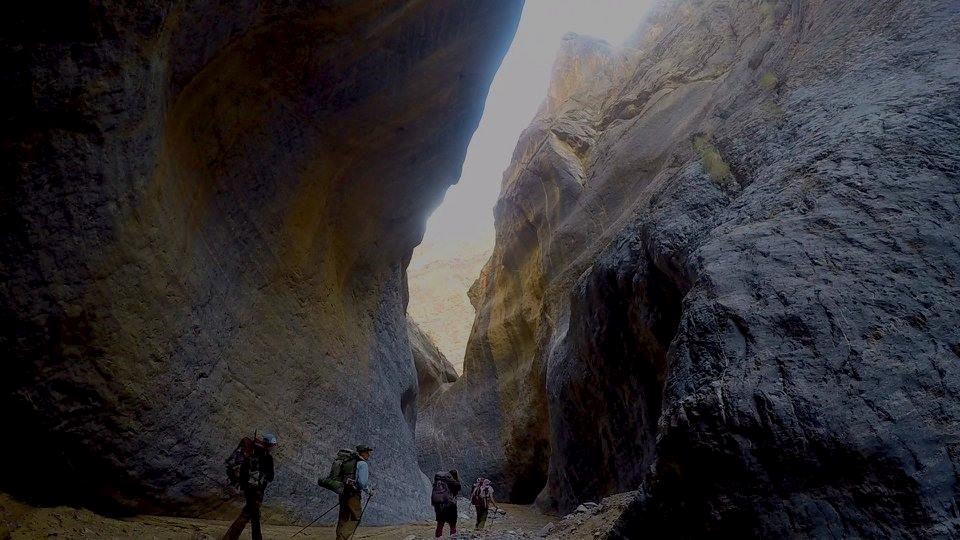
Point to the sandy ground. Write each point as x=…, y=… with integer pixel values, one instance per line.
x=18, y=521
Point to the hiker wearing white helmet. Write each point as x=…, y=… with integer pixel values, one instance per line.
x=482, y=498
x=250, y=469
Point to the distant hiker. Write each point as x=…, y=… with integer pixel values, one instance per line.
x=446, y=487
x=349, y=477
x=482, y=498
x=250, y=469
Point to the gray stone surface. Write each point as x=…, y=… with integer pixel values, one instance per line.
x=727, y=273
x=206, y=213
x=433, y=369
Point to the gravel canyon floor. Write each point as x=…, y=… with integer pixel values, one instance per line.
x=22, y=522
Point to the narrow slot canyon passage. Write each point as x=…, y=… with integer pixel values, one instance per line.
x=665, y=268
x=476, y=327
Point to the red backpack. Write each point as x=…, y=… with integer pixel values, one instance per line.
x=476, y=496
x=241, y=454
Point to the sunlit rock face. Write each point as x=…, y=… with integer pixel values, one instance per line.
x=438, y=277
x=433, y=369
x=726, y=274
x=206, y=219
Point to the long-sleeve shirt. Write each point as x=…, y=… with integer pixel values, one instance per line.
x=363, y=476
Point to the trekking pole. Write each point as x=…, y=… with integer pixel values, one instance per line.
x=316, y=520
x=359, y=519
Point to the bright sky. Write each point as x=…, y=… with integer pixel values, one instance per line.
x=517, y=91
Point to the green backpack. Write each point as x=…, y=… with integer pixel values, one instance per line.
x=343, y=472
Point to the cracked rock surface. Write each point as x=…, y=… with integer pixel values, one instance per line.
x=726, y=273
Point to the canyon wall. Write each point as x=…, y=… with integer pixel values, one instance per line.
x=726, y=274
x=207, y=212
x=438, y=277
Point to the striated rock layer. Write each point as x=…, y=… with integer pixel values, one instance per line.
x=207, y=212
x=726, y=273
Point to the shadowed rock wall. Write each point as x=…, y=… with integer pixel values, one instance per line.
x=726, y=274
x=207, y=211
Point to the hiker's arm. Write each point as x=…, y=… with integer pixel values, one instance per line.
x=268, y=473
x=363, y=476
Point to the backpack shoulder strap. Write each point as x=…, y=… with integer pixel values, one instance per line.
x=348, y=467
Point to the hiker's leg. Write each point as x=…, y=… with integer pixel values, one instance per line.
x=237, y=526
x=254, y=512
x=453, y=527
x=255, y=529
x=349, y=518
x=482, y=517
x=439, y=531
x=348, y=529
x=342, y=518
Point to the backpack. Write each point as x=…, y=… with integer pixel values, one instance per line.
x=342, y=472
x=241, y=454
x=480, y=496
x=441, y=491
x=476, y=499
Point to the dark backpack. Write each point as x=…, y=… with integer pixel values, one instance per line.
x=342, y=472
x=476, y=499
x=477, y=496
x=441, y=490
x=241, y=454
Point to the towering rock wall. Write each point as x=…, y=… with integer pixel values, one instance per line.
x=207, y=211
x=726, y=273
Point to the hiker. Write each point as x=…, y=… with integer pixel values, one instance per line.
x=482, y=497
x=250, y=469
x=446, y=487
x=355, y=475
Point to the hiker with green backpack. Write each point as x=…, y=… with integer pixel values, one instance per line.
x=349, y=477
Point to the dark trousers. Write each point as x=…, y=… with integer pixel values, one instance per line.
x=250, y=513
x=349, y=517
x=446, y=513
x=482, y=512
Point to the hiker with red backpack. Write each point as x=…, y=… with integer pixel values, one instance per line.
x=446, y=487
x=250, y=469
x=481, y=497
